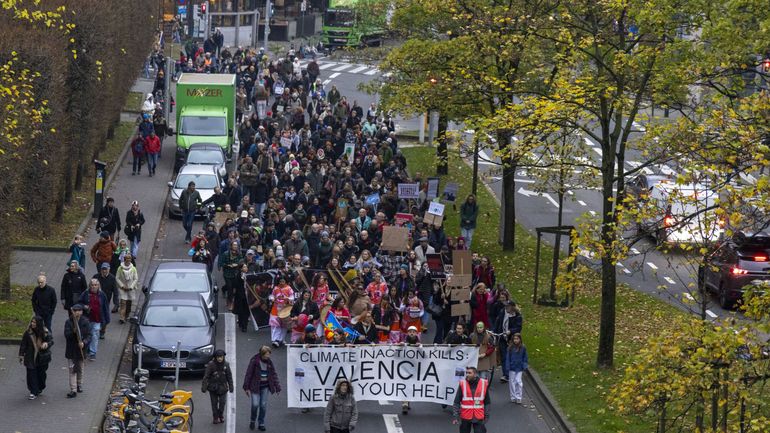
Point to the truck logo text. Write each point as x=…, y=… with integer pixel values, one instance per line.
x=204, y=93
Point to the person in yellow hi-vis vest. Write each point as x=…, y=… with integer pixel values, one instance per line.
x=471, y=406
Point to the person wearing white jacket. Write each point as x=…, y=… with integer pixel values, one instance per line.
x=128, y=281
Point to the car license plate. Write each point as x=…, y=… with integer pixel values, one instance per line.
x=340, y=40
x=172, y=364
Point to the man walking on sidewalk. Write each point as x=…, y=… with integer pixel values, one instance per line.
x=98, y=314
x=44, y=301
x=152, y=147
x=77, y=335
x=109, y=286
x=189, y=201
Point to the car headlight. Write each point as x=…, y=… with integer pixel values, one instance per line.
x=205, y=350
x=145, y=349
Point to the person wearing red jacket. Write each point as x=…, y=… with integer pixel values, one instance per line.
x=152, y=147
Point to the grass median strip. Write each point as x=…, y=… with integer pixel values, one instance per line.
x=16, y=313
x=562, y=342
x=82, y=200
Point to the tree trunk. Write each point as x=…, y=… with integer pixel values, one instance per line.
x=662, y=418
x=5, y=268
x=442, y=154
x=474, y=184
x=606, y=352
x=508, y=208
x=556, y=248
x=80, y=174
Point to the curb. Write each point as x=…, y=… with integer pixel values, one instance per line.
x=541, y=393
x=40, y=248
x=10, y=341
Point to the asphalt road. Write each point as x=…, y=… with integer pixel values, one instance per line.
x=373, y=416
x=669, y=276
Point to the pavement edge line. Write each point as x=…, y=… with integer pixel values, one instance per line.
x=230, y=356
x=542, y=394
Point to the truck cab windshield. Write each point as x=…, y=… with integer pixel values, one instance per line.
x=204, y=126
x=339, y=18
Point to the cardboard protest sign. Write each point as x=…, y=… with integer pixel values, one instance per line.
x=462, y=265
x=395, y=239
x=436, y=208
x=433, y=183
x=462, y=261
x=379, y=373
x=463, y=309
x=221, y=217
x=286, y=142
x=461, y=295
x=430, y=218
x=450, y=192
x=408, y=190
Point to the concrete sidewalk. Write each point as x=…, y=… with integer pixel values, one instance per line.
x=52, y=410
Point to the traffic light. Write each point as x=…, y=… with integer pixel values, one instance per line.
x=204, y=6
x=766, y=65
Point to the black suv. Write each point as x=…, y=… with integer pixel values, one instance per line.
x=736, y=263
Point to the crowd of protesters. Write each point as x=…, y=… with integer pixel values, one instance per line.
x=314, y=187
x=297, y=207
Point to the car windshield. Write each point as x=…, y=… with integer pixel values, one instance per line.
x=213, y=157
x=202, y=181
x=339, y=18
x=182, y=316
x=180, y=282
x=204, y=126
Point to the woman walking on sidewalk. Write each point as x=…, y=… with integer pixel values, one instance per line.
x=261, y=377
x=218, y=381
x=35, y=355
x=516, y=361
x=128, y=281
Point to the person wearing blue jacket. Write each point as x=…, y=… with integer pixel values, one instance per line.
x=516, y=361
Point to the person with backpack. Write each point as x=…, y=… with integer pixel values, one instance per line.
x=138, y=152
x=218, y=381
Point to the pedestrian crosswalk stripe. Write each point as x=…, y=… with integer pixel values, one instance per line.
x=326, y=66
x=358, y=69
x=342, y=67
x=373, y=71
x=334, y=75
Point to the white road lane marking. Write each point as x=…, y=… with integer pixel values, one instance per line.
x=392, y=423
x=358, y=69
x=589, y=142
x=518, y=180
x=652, y=265
x=342, y=67
x=711, y=314
x=384, y=402
x=528, y=193
x=230, y=349
x=326, y=82
x=334, y=75
x=373, y=72
x=670, y=280
x=689, y=296
x=592, y=212
x=638, y=126
x=597, y=150
x=635, y=251
x=582, y=203
x=326, y=66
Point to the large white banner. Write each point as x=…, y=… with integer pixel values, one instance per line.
x=378, y=372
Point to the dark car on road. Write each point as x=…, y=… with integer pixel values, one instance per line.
x=735, y=264
x=168, y=318
x=184, y=277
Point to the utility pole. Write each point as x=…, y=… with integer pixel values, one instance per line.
x=268, y=16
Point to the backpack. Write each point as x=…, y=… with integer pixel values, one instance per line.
x=139, y=147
